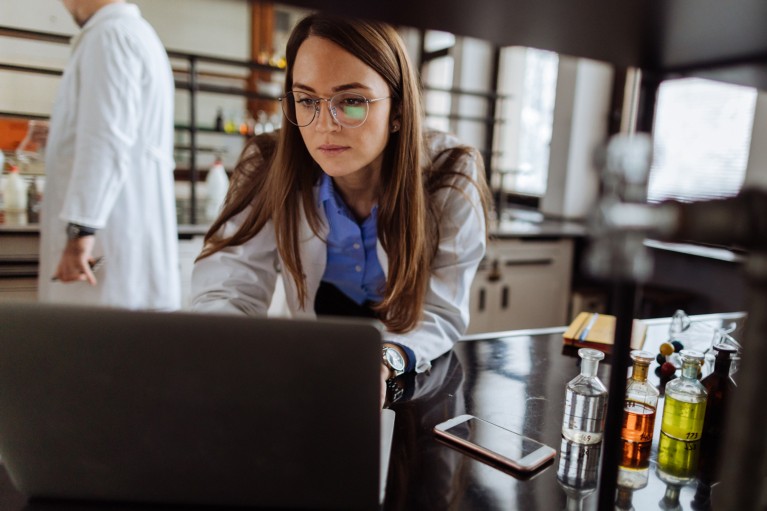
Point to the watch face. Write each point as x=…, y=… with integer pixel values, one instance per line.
x=394, y=359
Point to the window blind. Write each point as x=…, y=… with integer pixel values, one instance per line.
x=701, y=140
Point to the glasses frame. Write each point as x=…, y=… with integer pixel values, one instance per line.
x=333, y=114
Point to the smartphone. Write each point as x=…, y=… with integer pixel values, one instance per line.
x=491, y=443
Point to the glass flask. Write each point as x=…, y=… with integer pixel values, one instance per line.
x=685, y=404
x=577, y=472
x=641, y=401
x=585, y=402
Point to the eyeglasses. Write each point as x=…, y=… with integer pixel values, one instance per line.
x=349, y=109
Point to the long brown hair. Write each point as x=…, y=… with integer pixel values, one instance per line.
x=276, y=175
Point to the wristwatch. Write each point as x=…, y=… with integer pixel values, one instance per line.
x=394, y=361
x=75, y=231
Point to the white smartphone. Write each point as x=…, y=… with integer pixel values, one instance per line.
x=491, y=443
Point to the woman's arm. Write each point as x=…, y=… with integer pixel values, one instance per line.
x=238, y=278
x=460, y=249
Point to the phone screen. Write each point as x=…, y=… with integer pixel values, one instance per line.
x=484, y=438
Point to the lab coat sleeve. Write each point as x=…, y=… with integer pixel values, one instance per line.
x=461, y=248
x=108, y=118
x=237, y=279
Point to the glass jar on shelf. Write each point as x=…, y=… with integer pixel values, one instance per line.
x=585, y=402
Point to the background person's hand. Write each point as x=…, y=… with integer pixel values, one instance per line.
x=76, y=260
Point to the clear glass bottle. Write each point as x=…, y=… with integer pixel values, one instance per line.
x=641, y=401
x=578, y=471
x=684, y=408
x=585, y=402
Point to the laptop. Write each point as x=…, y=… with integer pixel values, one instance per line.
x=192, y=409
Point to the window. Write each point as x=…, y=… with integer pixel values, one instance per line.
x=529, y=77
x=701, y=140
x=437, y=72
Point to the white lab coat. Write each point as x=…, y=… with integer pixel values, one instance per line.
x=241, y=279
x=109, y=165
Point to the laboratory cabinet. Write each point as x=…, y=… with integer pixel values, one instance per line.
x=18, y=266
x=522, y=283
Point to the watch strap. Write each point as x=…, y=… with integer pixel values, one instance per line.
x=75, y=231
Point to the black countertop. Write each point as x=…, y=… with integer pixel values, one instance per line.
x=515, y=379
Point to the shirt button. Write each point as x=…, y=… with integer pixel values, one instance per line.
x=356, y=246
x=358, y=268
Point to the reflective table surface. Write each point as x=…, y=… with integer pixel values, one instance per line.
x=516, y=380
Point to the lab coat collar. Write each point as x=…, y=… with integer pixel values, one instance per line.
x=118, y=10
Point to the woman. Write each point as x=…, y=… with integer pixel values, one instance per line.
x=363, y=212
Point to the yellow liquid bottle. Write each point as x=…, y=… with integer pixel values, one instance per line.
x=685, y=405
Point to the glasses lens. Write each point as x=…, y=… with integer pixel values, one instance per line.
x=299, y=108
x=350, y=109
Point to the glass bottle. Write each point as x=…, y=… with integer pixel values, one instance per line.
x=719, y=385
x=685, y=404
x=633, y=472
x=641, y=401
x=677, y=463
x=578, y=471
x=585, y=402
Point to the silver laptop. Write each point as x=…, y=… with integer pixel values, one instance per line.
x=195, y=409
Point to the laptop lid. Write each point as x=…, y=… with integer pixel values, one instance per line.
x=186, y=408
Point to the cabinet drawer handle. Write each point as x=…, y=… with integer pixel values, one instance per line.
x=481, y=300
x=505, y=297
x=530, y=262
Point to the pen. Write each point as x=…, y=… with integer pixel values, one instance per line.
x=590, y=324
x=95, y=265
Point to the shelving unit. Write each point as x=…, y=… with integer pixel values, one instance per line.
x=192, y=83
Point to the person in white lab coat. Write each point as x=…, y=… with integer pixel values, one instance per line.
x=365, y=213
x=109, y=192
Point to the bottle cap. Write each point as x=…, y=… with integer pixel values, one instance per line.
x=642, y=356
x=590, y=354
x=725, y=348
x=691, y=355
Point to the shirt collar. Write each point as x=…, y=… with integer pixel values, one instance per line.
x=108, y=11
x=330, y=197
x=326, y=188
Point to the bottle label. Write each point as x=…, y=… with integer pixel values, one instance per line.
x=584, y=418
x=683, y=420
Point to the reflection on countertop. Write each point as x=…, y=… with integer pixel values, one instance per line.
x=526, y=223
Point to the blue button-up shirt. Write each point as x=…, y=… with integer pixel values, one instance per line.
x=352, y=261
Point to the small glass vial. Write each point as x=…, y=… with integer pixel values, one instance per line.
x=685, y=405
x=585, y=402
x=641, y=401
